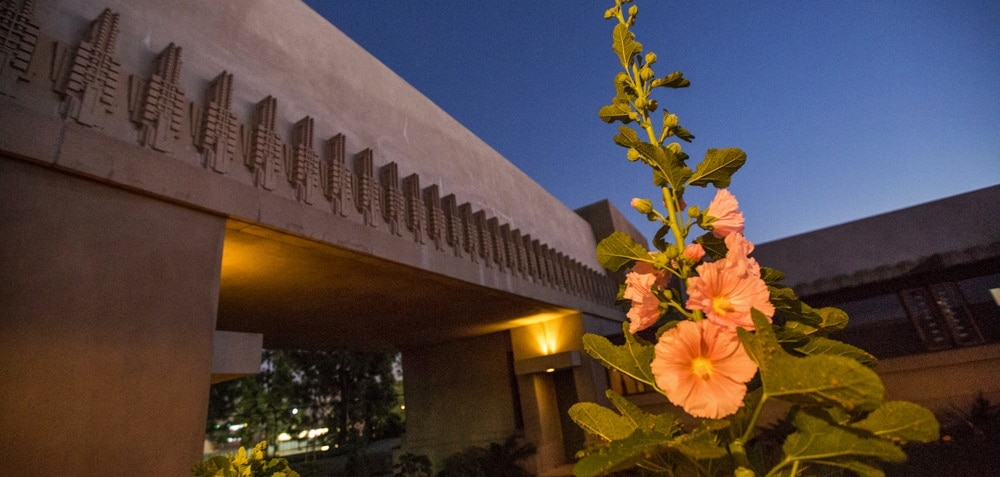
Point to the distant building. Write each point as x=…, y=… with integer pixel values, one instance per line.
x=921, y=287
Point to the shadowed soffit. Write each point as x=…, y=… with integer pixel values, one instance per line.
x=304, y=294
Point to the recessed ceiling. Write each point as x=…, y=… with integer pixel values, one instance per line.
x=304, y=294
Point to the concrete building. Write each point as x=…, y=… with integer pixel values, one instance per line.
x=185, y=182
x=922, y=288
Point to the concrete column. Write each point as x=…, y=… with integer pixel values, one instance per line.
x=458, y=395
x=108, y=303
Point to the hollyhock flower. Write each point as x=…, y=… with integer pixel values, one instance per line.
x=703, y=368
x=723, y=214
x=694, y=252
x=639, y=285
x=726, y=294
x=738, y=247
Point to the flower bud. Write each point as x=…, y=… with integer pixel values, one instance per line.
x=633, y=10
x=650, y=58
x=694, y=211
x=632, y=155
x=670, y=121
x=671, y=252
x=642, y=205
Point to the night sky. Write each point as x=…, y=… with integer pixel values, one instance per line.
x=846, y=109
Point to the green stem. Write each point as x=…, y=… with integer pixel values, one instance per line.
x=752, y=423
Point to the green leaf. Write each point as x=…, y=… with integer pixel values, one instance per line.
x=619, y=250
x=788, y=307
x=771, y=276
x=715, y=247
x=684, y=135
x=618, y=110
x=643, y=445
x=834, y=319
x=626, y=137
x=601, y=421
x=624, y=44
x=718, y=167
x=622, y=453
x=813, y=380
x=666, y=422
x=817, y=345
x=631, y=358
x=673, y=80
x=902, y=422
x=669, y=169
x=819, y=439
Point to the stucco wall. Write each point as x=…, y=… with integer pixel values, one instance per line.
x=284, y=49
x=108, y=304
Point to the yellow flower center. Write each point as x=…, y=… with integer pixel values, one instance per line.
x=701, y=367
x=721, y=306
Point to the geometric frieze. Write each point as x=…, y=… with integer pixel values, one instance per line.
x=18, y=39
x=366, y=191
x=437, y=228
x=470, y=235
x=338, y=179
x=218, y=131
x=158, y=104
x=393, y=204
x=303, y=172
x=266, y=159
x=484, y=244
x=416, y=211
x=499, y=241
x=89, y=82
x=454, y=223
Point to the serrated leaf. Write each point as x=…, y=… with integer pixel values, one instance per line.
x=601, y=421
x=624, y=44
x=901, y=421
x=616, y=111
x=771, y=276
x=632, y=358
x=673, y=80
x=819, y=439
x=669, y=169
x=684, y=135
x=619, y=250
x=622, y=453
x=700, y=444
x=813, y=380
x=666, y=423
x=626, y=137
x=718, y=167
x=817, y=345
x=788, y=307
x=643, y=444
x=715, y=247
x=833, y=319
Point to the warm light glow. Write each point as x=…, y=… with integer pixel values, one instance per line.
x=550, y=370
x=284, y=437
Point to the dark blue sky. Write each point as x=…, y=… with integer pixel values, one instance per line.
x=846, y=109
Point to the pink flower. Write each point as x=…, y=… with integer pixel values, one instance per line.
x=726, y=293
x=639, y=285
x=703, y=368
x=738, y=247
x=723, y=215
x=694, y=252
